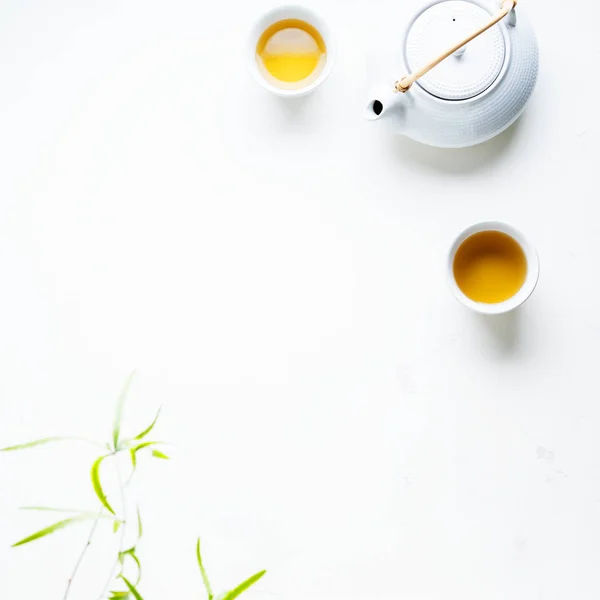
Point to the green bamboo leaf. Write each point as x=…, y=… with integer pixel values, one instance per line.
x=132, y=589
x=139, y=520
x=159, y=454
x=144, y=445
x=40, y=442
x=52, y=528
x=146, y=431
x=243, y=586
x=118, y=595
x=119, y=411
x=133, y=452
x=116, y=525
x=95, y=474
x=133, y=555
x=205, y=580
x=81, y=513
x=139, y=566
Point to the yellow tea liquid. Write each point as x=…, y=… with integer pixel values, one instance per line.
x=490, y=267
x=291, y=53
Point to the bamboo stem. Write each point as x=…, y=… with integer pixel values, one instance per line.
x=81, y=555
x=404, y=84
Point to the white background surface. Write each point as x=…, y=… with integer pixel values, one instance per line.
x=275, y=272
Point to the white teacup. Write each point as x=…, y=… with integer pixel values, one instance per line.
x=279, y=14
x=531, y=277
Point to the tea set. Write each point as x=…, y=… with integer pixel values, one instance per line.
x=464, y=71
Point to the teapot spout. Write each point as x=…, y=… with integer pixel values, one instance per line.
x=383, y=100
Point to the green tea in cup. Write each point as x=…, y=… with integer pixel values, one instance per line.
x=291, y=53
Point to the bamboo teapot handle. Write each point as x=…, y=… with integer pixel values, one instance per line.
x=404, y=84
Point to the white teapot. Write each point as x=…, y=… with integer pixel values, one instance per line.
x=470, y=70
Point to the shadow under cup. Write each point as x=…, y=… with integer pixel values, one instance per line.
x=267, y=21
x=529, y=280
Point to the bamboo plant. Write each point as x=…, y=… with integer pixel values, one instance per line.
x=117, y=586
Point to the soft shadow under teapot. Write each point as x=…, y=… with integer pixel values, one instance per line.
x=471, y=69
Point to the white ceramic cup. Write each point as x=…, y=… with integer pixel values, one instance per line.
x=531, y=279
x=279, y=14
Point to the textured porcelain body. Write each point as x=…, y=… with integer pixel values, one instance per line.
x=456, y=123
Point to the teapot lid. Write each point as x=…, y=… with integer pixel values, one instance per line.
x=472, y=69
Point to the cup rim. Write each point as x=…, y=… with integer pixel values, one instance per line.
x=533, y=269
x=278, y=13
